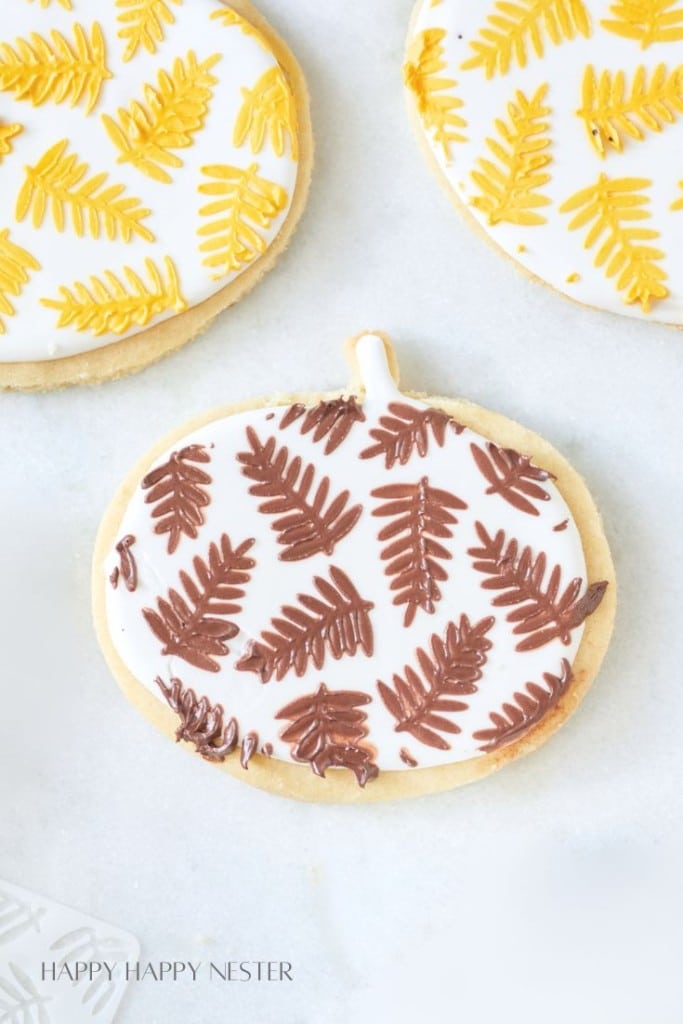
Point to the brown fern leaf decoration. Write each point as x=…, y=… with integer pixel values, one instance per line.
x=419, y=514
x=407, y=429
x=542, y=613
x=333, y=420
x=177, y=489
x=201, y=722
x=195, y=627
x=512, y=476
x=304, y=525
x=327, y=730
x=455, y=665
x=513, y=720
x=337, y=622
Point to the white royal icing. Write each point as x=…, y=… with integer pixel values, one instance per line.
x=31, y=333
x=551, y=251
x=275, y=582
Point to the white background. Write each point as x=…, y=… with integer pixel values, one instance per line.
x=549, y=893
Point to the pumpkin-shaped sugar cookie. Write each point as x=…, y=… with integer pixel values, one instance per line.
x=354, y=596
x=154, y=159
x=557, y=126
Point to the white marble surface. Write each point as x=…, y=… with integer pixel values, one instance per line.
x=551, y=892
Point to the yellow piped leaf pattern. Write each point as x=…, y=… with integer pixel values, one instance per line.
x=611, y=110
x=438, y=108
x=242, y=203
x=142, y=24
x=268, y=110
x=114, y=303
x=15, y=266
x=517, y=25
x=7, y=133
x=646, y=21
x=60, y=182
x=228, y=17
x=615, y=209
x=510, y=184
x=54, y=70
x=173, y=112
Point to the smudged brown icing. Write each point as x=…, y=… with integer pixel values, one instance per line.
x=327, y=730
x=127, y=569
x=418, y=514
x=249, y=747
x=178, y=491
x=561, y=526
x=408, y=758
x=512, y=476
x=336, y=621
x=513, y=720
x=201, y=722
x=267, y=749
x=331, y=420
x=419, y=704
x=543, y=613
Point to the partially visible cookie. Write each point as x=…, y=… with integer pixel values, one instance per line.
x=154, y=161
x=557, y=127
x=354, y=596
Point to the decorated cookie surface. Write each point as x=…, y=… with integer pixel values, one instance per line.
x=360, y=585
x=153, y=158
x=558, y=124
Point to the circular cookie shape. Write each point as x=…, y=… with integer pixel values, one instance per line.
x=354, y=596
x=154, y=160
x=557, y=126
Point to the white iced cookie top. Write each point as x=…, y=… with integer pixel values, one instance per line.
x=362, y=583
x=148, y=156
x=559, y=125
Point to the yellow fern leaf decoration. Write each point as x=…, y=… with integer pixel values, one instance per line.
x=142, y=24
x=176, y=110
x=41, y=70
x=614, y=208
x=15, y=264
x=509, y=189
x=229, y=17
x=66, y=4
x=114, y=303
x=514, y=26
x=7, y=133
x=244, y=202
x=268, y=109
x=610, y=110
x=437, y=107
x=59, y=181
x=647, y=21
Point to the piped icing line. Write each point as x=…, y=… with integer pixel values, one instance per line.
x=419, y=622
x=545, y=87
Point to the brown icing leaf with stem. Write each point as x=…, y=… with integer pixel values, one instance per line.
x=307, y=524
x=201, y=722
x=543, y=613
x=177, y=489
x=419, y=515
x=406, y=430
x=327, y=730
x=337, y=622
x=449, y=672
x=331, y=420
x=197, y=626
x=513, y=720
x=512, y=476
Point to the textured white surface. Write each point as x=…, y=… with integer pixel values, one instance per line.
x=549, y=892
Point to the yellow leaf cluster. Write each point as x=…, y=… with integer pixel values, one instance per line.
x=614, y=210
x=646, y=21
x=509, y=184
x=437, y=106
x=59, y=182
x=517, y=25
x=174, y=111
x=228, y=17
x=15, y=264
x=269, y=109
x=114, y=303
x=242, y=203
x=142, y=24
x=41, y=69
x=611, y=110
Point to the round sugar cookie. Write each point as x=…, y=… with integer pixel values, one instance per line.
x=155, y=157
x=354, y=596
x=557, y=125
